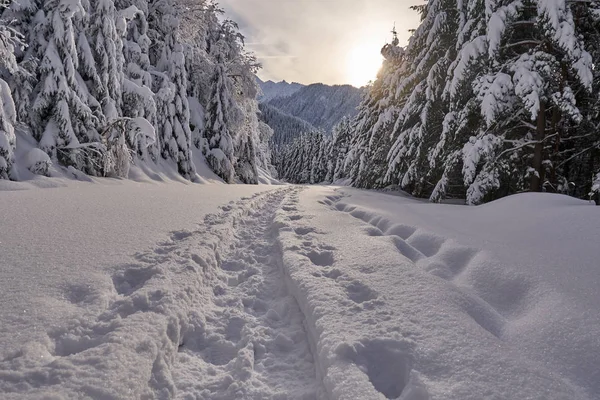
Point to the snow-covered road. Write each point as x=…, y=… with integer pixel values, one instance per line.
x=284, y=293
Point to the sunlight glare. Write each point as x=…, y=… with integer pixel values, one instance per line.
x=363, y=63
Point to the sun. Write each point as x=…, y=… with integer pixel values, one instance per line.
x=362, y=64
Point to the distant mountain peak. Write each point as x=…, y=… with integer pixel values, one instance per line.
x=271, y=90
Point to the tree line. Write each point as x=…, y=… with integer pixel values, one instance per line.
x=102, y=84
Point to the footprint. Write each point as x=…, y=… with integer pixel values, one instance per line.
x=79, y=294
x=342, y=207
x=358, y=292
x=427, y=243
x=333, y=274
x=322, y=259
x=437, y=268
x=180, y=235
x=482, y=313
x=233, y=331
x=69, y=344
x=200, y=261
x=380, y=223
x=387, y=363
x=407, y=250
x=404, y=231
x=304, y=230
x=165, y=249
x=233, y=265
x=132, y=279
x=219, y=353
x=295, y=217
x=457, y=258
x=372, y=231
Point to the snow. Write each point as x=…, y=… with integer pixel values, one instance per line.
x=121, y=289
x=271, y=90
x=65, y=285
x=528, y=266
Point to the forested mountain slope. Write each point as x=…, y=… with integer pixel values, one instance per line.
x=286, y=127
x=321, y=105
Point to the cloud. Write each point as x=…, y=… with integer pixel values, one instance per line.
x=309, y=40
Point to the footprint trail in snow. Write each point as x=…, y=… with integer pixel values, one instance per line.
x=203, y=315
x=250, y=343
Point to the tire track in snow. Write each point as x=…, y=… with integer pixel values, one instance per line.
x=251, y=344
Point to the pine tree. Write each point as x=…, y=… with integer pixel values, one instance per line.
x=61, y=118
x=528, y=98
x=245, y=144
x=429, y=53
x=595, y=192
x=9, y=38
x=104, y=83
x=22, y=80
x=173, y=113
x=218, y=148
x=367, y=160
x=107, y=50
x=138, y=100
x=490, y=99
x=463, y=115
x=338, y=151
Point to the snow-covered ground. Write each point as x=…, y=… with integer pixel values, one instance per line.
x=123, y=290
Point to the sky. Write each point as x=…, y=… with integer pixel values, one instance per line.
x=328, y=41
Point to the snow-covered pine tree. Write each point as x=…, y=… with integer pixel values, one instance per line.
x=366, y=161
x=22, y=80
x=463, y=117
x=61, y=118
x=581, y=153
x=241, y=70
x=218, y=148
x=320, y=150
x=538, y=64
x=499, y=98
x=199, y=27
x=107, y=50
x=138, y=98
x=246, y=154
x=170, y=86
x=430, y=53
x=338, y=151
x=98, y=80
x=219, y=45
x=7, y=131
x=8, y=116
x=304, y=160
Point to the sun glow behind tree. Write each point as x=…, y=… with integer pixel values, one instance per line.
x=363, y=62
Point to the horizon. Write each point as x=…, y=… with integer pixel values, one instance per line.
x=307, y=84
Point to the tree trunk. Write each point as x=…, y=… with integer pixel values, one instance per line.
x=537, y=178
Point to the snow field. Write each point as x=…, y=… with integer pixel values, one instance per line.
x=384, y=325
x=293, y=293
x=182, y=312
